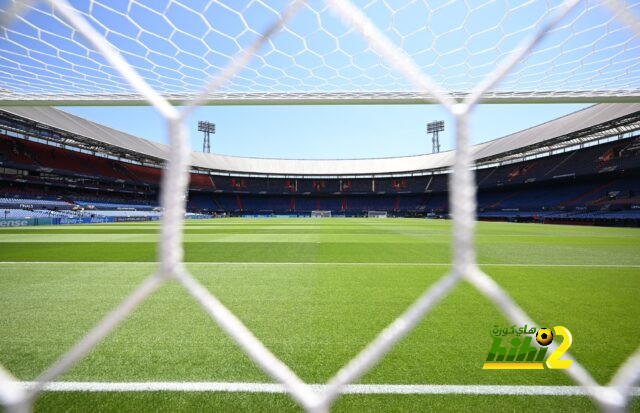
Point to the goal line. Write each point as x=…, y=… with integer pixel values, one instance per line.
x=248, y=387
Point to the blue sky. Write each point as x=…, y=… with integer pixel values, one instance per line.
x=323, y=132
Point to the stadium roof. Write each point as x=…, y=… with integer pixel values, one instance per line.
x=595, y=121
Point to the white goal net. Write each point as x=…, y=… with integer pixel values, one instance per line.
x=320, y=214
x=454, y=53
x=376, y=214
x=311, y=53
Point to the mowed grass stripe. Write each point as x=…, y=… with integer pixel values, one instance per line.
x=329, y=237
x=374, y=225
x=279, y=402
x=210, y=231
x=314, y=318
x=227, y=252
x=208, y=234
x=534, y=252
x=342, y=237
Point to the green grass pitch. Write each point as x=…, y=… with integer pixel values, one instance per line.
x=315, y=291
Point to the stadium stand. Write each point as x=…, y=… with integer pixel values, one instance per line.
x=31, y=201
x=559, y=180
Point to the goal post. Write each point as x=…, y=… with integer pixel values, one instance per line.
x=376, y=214
x=320, y=214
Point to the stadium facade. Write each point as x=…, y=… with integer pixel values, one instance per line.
x=581, y=168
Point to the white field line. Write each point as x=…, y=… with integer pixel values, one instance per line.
x=11, y=237
x=348, y=389
x=355, y=264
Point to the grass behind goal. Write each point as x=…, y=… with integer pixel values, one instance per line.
x=315, y=291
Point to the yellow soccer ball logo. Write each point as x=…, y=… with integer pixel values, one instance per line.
x=544, y=336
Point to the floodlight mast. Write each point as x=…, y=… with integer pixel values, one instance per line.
x=207, y=128
x=435, y=128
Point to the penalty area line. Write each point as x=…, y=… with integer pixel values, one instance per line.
x=230, y=387
x=355, y=264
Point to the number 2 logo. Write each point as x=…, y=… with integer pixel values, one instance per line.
x=554, y=362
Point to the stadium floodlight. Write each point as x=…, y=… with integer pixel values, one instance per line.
x=565, y=51
x=207, y=128
x=435, y=128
